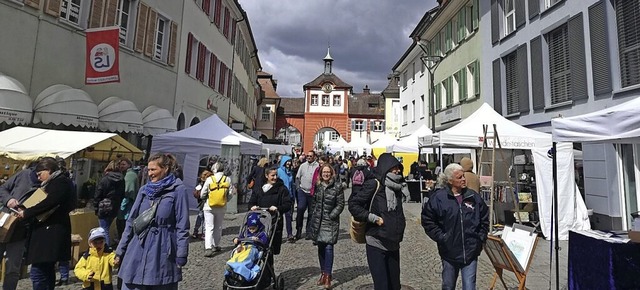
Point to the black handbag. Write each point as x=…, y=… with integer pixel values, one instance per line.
x=141, y=224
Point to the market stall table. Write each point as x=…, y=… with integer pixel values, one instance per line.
x=600, y=264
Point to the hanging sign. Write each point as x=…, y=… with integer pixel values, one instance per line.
x=101, y=65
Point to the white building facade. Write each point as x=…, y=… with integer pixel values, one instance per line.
x=551, y=58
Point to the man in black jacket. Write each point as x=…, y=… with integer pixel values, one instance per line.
x=17, y=189
x=457, y=219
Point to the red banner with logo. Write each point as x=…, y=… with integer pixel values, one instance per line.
x=102, y=56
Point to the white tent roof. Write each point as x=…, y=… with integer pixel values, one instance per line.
x=356, y=144
x=618, y=124
x=15, y=103
x=157, y=121
x=468, y=133
x=62, y=104
x=337, y=145
x=118, y=115
x=384, y=141
x=207, y=137
x=24, y=143
x=277, y=148
x=411, y=143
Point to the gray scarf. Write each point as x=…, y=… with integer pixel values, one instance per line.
x=394, y=186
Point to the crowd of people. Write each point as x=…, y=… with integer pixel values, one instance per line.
x=153, y=227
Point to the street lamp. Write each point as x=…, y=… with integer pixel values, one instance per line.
x=431, y=62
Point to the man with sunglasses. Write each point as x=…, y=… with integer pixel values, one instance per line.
x=304, y=179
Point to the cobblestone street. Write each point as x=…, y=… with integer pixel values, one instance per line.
x=298, y=262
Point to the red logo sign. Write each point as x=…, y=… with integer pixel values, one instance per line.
x=102, y=56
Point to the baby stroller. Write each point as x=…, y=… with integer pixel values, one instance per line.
x=234, y=280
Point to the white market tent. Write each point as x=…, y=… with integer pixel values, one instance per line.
x=357, y=145
x=468, y=134
x=617, y=124
x=25, y=143
x=411, y=143
x=335, y=146
x=276, y=148
x=204, y=138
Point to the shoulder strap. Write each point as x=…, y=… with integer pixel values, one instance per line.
x=374, y=193
x=85, y=254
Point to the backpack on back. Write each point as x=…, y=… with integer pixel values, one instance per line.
x=218, y=192
x=358, y=177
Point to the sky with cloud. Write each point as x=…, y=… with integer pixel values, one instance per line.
x=367, y=38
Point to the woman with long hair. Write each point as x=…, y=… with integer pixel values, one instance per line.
x=274, y=197
x=328, y=203
x=49, y=240
x=152, y=257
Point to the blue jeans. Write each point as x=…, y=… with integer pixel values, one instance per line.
x=43, y=276
x=105, y=223
x=325, y=257
x=304, y=202
x=198, y=228
x=63, y=268
x=450, y=275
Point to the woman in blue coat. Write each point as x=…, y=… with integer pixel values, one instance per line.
x=153, y=259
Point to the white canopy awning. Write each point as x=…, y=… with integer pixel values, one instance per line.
x=411, y=143
x=157, y=121
x=25, y=143
x=62, y=104
x=356, y=145
x=15, y=103
x=617, y=124
x=468, y=133
x=118, y=115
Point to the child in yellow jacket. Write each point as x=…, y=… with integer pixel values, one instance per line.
x=95, y=265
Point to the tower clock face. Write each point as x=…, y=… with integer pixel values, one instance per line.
x=327, y=88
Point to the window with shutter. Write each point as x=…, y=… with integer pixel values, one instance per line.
x=509, y=10
x=511, y=82
x=229, y=83
x=559, y=68
x=227, y=19
x=462, y=84
x=449, y=91
x=75, y=12
x=600, y=55
x=213, y=68
x=438, y=101
x=187, y=66
x=448, y=44
x=462, y=27
x=124, y=20
x=111, y=13
x=141, y=27
x=200, y=62
x=549, y=3
x=173, y=44
x=405, y=114
x=413, y=111
x=336, y=100
x=422, y=105
x=207, y=66
x=222, y=77
x=33, y=3
x=161, y=42
x=474, y=71
x=206, y=6
x=217, y=13
x=95, y=16
x=475, y=18
x=149, y=39
x=628, y=21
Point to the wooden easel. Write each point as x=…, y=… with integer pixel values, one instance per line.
x=503, y=259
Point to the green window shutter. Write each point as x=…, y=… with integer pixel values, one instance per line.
x=438, y=97
x=476, y=78
x=474, y=14
x=462, y=84
x=447, y=41
x=461, y=25
x=449, y=88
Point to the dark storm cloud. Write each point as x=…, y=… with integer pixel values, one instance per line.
x=367, y=38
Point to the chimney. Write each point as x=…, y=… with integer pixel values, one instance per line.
x=366, y=90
